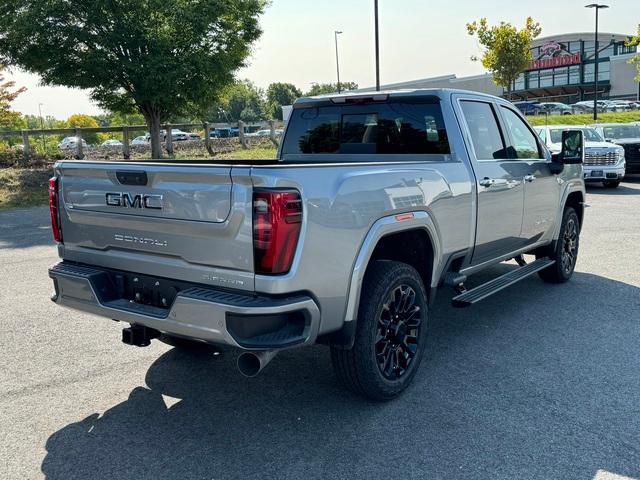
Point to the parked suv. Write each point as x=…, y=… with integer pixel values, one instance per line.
x=556, y=108
x=627, y=135
x=604, y=162
x=529, y=108
x=374, y=202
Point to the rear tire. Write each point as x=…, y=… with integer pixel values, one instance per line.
x=564, y=251
x=390, y=333
x=611, y=183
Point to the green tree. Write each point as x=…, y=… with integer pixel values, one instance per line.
x=324, y=88
x=158, y=57
x=634, y=41
x=507, y=50
x=9, y=120
x=279, y=94
x=240, y=101
x=78, y=120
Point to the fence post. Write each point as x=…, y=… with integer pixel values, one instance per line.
x=125, y=143
x=243, y=139
x=79, y=150
x=25, y=146
x=169, y=139
x=207, y=138
x=272, y=132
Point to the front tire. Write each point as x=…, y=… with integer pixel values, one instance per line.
x=390, y=333
x=611, y=183
x=565, y=250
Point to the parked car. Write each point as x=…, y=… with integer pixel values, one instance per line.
x=617, y=105
x=625, y=104
x=627, y=135
x=70, y=143
x=344, y=244
x=224, y=132
x=176, y=135
x=604, y=162
x=555, y=108
x=141, y=140
x=111, y=143
x=529, y=108
x=265, y=133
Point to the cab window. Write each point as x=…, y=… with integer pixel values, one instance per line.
x=525, y=143
x=486, y=137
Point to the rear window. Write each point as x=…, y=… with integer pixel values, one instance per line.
x=394, y=128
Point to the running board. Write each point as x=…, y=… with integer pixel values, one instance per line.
x=485, y=290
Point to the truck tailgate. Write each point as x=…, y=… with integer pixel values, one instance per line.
x=169, y=220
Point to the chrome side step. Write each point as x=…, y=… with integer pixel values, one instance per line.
x=485, y=290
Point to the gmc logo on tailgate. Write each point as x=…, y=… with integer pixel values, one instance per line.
x=127, y=200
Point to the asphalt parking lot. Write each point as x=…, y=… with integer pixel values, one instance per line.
x=542, y=382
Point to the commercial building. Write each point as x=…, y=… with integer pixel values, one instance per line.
x=562, y=70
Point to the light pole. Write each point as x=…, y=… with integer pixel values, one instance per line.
x=597, y=6
x=375, y=8
x=336, y=33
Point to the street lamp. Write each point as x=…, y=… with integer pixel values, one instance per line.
x=336, y=33
x=597, y=6
x=375, y=8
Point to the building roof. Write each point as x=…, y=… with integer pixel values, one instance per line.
x=568, y=37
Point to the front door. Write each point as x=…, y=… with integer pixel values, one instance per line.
x=541, y=187
x=500, y=182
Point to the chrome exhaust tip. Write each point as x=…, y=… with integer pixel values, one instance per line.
x=251, y=364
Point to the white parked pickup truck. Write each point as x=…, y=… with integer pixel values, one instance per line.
x=604, y=161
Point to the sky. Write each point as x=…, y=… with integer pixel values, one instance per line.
x=418, y=39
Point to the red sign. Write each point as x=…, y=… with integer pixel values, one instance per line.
x=559, y=61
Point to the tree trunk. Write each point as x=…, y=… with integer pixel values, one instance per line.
x=152, y=117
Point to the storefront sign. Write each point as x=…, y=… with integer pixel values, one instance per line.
x=554, y=54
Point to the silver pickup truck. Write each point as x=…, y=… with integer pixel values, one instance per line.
x=374, y=202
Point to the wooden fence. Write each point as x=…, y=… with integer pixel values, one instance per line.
x=126, y=131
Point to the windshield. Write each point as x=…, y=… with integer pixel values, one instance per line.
x=590, y=135
x=621, y=131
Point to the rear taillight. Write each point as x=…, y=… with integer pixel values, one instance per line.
x=53, y=209
x=277, y=217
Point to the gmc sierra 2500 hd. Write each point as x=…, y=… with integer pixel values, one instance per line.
x=374, y=202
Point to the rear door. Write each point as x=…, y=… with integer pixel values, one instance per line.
x=541, y=187
x=186, y=222
x=500, y=180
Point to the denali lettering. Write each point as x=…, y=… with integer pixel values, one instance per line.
x=141, y=240
x=222, y=280
x=127, y=200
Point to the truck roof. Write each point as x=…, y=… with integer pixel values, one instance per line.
x=418, y=92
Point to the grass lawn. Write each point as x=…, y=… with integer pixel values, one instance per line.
x=24, y=187
x=259, y=153
x=585, y=118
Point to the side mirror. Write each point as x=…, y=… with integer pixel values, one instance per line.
x=572, y=147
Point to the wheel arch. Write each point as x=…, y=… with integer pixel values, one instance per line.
x=416, y=229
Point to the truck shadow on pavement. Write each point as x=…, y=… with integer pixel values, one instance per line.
x=541, y=382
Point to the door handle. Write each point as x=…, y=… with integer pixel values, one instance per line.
x=492, y=182
x=529, y=178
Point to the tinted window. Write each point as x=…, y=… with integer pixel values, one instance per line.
x=485, y=134
x=375, y=128
x=525, y=143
